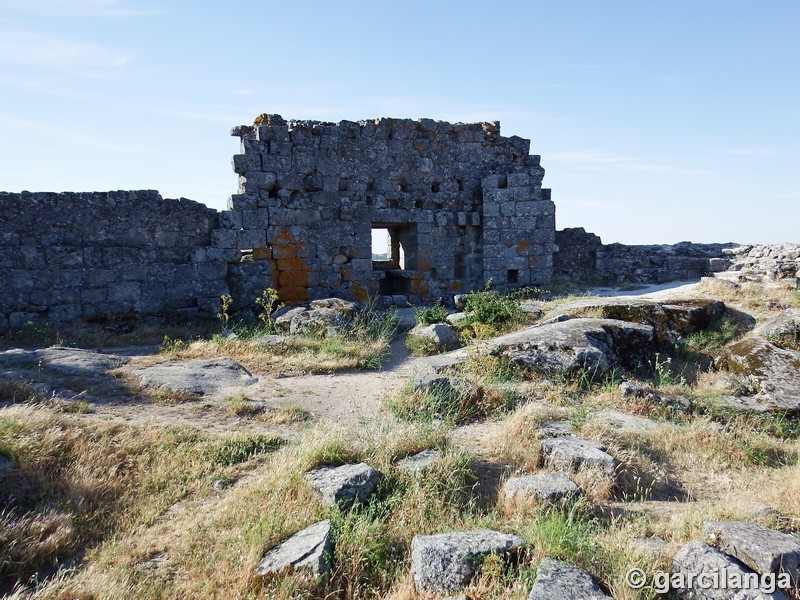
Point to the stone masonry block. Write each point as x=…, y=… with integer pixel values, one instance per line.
x=246, y=163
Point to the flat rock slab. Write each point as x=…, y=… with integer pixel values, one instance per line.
x=557, y=580
x=446, y=562
x=307, y=550
x=576, y=347
x=203, y=377
x=571, y=454
x=71, y=362
x=625, y=422
x=344, y=485
x=420, y=461
x=545, y=487
x=441, y=334
x=762, y=549
x=775, y=371
x=697, y=558
x=671, y=321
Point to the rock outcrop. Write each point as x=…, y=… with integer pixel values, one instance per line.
x=556, y=580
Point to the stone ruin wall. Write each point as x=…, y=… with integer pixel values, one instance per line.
x=106, y=255
x=465, y=204
x=582, y=257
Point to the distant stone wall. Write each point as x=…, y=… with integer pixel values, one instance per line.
x=462, y=204
x=106, y=255
x=763, y=262
x=582, y=257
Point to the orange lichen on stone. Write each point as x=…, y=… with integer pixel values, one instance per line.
x=455, y=286
x=284, y=251
x=291, y=264
x=262, y=253
x=523, y=245
x=292, y=295
x=293, y=279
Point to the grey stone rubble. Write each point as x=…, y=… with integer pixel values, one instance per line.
x=343, y=485
x=572, y=455
x=555, y=429
x=201, y=376
x=307, y=550
x=446, y=562
x=557, y=580
x=630, y=389
x=545, y=487
x=762, y=549
x=696, y=558
x=420, y=461
x=765, y=262
x=583, y=257
x=441, y=334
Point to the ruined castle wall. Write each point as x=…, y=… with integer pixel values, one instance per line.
x=582, y=257
x=463, y=202
x=105, y=255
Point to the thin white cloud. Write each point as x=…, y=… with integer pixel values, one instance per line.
x=33, y=49
x=80, y=8
x=598, y=160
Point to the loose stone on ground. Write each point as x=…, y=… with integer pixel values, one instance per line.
x=447, y=562
x=344, y=485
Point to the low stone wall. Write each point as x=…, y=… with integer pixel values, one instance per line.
x=107, y=255
x=770, y=262
x=582, y=257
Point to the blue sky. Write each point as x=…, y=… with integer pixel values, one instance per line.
x=657, y=122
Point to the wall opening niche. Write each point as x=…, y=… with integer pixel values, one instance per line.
x=394, y=252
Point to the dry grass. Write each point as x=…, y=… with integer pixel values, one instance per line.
x=293, y=355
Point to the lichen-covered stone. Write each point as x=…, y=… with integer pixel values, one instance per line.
x=343, y=485
x=307, y=550
x=762, y=549
x=544, y=487
x=556, y=580
x=697, y=558
x=571, y=454
x=446, y=562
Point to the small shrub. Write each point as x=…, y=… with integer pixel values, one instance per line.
x=714, y=339
x=267, y=303
x=420, y=345
x=224, y=315
x=242, y=406
x=491, y=308
x=430, y=316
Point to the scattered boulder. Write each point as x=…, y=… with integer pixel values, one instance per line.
x=460, y=301
x=323, y=322
x=783, y=330
x=671, y=321
x=634, y=390
x=696, y=558
x=441, y=334
x=406, y=318
x=774, y=372
x=572, y=454
x=344, y=485
x=345, y=307
x=308, y=550
x=456, y=317
x=576, y=346
x=556, y=580
x=282, y=318
x=762, y=549
x=201, y=377
x=447, y=562
x=551, y=488
x=555, y=429
x=419, y=462
x=428, y=383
